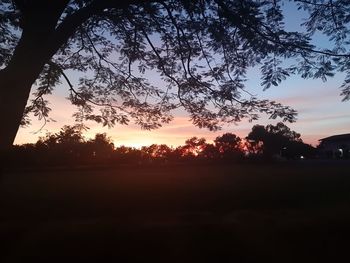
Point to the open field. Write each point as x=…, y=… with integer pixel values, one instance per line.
x=241, y=213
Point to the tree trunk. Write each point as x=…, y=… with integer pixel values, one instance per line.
x=13, y=98
x=16, y=81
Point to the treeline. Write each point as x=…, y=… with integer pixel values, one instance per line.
x=70, y=147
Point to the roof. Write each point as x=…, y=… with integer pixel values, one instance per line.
x=339, y=137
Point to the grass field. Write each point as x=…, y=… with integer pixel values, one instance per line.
x=292, y=212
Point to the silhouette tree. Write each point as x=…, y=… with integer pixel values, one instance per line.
x=66, y=145
x=200, y=49
x=101, y=146
x=49, y=141
x=253, y=147
x=229, y=146
x=124, y=154
x=210, y=152
x=193, y=147
x=70, y=135
x=157, y=150
x=278, y=139
x=283, y=131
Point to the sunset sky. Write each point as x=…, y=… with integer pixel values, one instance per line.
x=320, y=111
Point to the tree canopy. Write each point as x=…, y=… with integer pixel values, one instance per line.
x=201, y=51
x=279, y=140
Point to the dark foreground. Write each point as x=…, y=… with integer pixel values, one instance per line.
x=281, y=213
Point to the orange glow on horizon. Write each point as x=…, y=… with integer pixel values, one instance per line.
x=173, y=134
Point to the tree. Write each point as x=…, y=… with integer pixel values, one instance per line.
x=228, y=142
x=229, y=146
x=157, y=150
x=66, y=145
x=70, y=135
x=125, y=154
x=278, y=139
x=201, y=50
x=101, y=147
x=283, y=131
x=209, y=152
x=193, y=147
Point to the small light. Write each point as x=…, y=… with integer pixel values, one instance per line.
x=302, y=157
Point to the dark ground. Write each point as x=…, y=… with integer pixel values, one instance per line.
x=295, y=212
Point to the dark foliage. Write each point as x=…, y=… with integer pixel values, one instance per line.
x=69, y=147
x=278, y=140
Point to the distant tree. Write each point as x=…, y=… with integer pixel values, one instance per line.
x=158, y=153
x=277, y=140
x=70, y=135
x=103, y=139
x=193, y=147
x=49, y=141
x=124, y=154
x=201, y=50
x=101, y=147
x=66, y=145
x=157, y=150
x=253, y=148
x=255, y=142
x=284, y=131
x=229, y=146
x=210, y=152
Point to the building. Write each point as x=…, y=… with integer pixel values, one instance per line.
x=336, y=146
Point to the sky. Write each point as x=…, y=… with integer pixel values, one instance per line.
x=321, y=112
